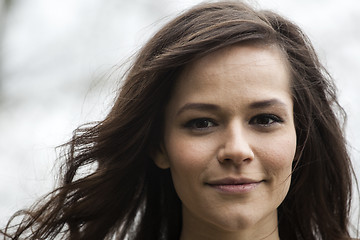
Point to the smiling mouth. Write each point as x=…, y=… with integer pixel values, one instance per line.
x=234, y=186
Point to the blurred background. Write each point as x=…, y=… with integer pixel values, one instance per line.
x=61, y=61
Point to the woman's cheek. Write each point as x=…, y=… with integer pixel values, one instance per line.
x=189, y=153
x=278, y=154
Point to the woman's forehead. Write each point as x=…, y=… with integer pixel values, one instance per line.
x=246, y=73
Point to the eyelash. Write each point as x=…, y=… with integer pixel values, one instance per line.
x=273, y=118
x=257, y=120
x=192, y=123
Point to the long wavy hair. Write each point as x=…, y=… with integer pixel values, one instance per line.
x=126, y=195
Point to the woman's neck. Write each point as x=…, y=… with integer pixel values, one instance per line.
x=241, y=235
x=196, y=229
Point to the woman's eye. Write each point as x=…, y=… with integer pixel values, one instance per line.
x=265, y=120
x=200, y=123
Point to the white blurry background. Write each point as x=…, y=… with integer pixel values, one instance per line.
x=56, y=58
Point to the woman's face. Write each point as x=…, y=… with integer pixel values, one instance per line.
x=229, y=140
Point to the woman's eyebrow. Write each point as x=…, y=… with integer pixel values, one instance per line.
x=198, y=106
x=213, y=107
x=267, y=103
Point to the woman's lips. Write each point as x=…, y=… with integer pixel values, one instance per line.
x=233, y=185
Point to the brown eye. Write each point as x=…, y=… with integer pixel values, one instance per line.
x=265, y=120
x=200, y=123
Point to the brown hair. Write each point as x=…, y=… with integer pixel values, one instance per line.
x=127, y=195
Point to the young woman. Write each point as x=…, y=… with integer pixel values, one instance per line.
x=225, y=128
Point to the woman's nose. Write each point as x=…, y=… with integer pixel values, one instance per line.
x=235, y=145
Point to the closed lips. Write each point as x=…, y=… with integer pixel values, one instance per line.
x=232, y=181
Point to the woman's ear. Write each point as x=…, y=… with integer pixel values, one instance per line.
x=159, y=156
